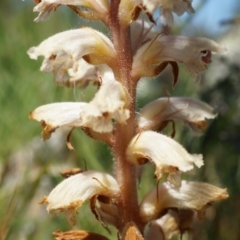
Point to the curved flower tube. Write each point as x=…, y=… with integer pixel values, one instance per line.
x=72, y=192
x=63, y=51
x=194, y=52
x=192, y=195
x=45, y=7
x=165, y=153
x=155, y=114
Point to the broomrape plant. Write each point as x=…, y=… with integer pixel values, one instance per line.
x=133, y=50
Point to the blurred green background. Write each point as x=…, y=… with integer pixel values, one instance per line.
x=29, y=168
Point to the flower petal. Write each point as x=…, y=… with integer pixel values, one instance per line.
x=57, y=115
x=86, y=73
x=45, y=7
x=82, y=75
x=63, y=51
x=154, y=115
x=70, y=194
x=195, y=53
x=167, y=155
x=98, y=114
x=192, y=195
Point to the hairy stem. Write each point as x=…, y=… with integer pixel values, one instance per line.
x=124, y=171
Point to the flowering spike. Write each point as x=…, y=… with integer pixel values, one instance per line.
x=136, y=48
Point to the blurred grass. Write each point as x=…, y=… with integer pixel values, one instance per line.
x=29, y=167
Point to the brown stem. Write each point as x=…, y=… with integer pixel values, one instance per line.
x=124, y=171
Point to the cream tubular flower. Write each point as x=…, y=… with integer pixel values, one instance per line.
x=45, y=7
x=63, y=51
x=157, y=113
x=110, y=102
x=165, y=153
x=72, y=192
x=167, y=8
x=195, y=53
x=192, y=195
x=55, y=115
